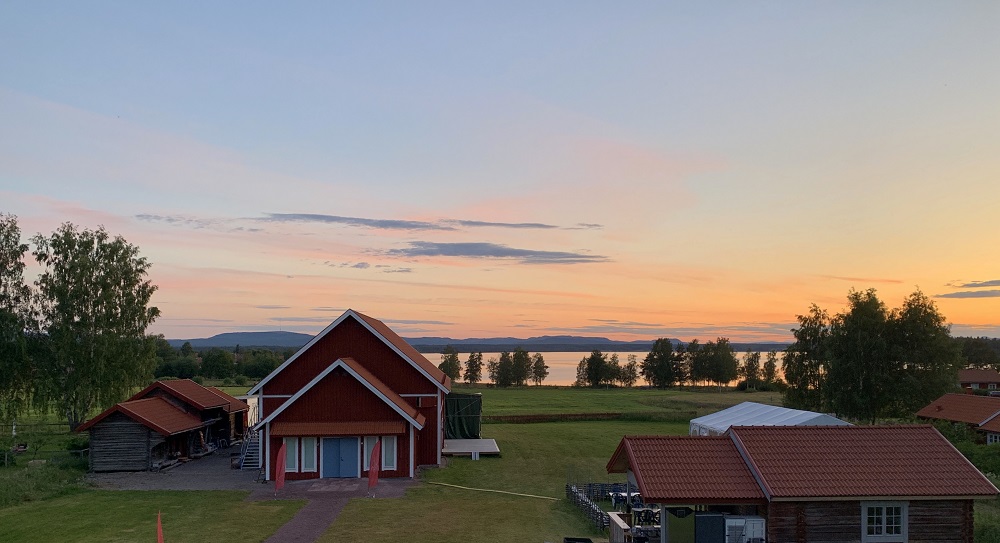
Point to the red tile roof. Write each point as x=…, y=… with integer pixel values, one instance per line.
x=686, y=469
x=967, y=408
x=187, y=391
x=407, y=349
x=361, y=428
x=974, y=375
x=233, y=405
x=156, y=413
x=803, y=462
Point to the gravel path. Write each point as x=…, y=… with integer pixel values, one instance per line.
x=325, y=497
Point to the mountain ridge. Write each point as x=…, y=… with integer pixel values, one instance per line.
x=432, y=344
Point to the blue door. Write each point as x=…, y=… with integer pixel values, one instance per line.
x=340, y=457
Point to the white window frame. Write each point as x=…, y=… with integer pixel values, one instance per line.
x=291, y=453
x=992, y=386
x=370, y=442
x=904, y=520
x=309, y=453
x=389, y=453
x=992, y=438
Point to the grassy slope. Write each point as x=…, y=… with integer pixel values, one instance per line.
x=548, y=400
x=124, y=516
x=536, y=459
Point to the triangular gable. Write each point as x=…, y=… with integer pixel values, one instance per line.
x=157, y=414
x=186, y=391
x=372, y=383
x=686, y=469
x=384, y=334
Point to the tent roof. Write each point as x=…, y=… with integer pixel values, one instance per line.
x=757, y=414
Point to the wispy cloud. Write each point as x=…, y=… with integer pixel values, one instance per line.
x=355, y=265
x=516, y=225
x=272, y=307
x=382, y=224
x=493, y=250
x=299, y=319
x=975, y=284
x=586, y=226
x=971, y=294
x=326, y=309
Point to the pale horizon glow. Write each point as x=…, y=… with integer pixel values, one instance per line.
x=520, y=169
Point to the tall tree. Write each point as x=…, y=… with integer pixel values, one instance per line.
x=521, y=367
x=770, y=371
x=539, y=370
x=15, y=321
x=474, y=368
x=927, y=355
x=630, y=371
x=658, y=365
x=720, y=361
x=750, y=370
x=450, y=364
x=861, y=365
x=805, y=361
x=597, y=370
x=502, y=370
x=94, y=308
x=218, y=363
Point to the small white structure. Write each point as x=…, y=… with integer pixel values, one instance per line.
x=758, y=414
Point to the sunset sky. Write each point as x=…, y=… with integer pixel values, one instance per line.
x=472, y=169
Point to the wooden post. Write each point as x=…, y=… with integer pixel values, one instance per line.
x=664, y=524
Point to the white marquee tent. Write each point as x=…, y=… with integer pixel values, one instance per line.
x=757, y=414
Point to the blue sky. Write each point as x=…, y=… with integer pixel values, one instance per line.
x=475, y=169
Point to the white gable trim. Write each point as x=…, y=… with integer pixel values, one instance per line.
x=339, y=364
x=334, y=324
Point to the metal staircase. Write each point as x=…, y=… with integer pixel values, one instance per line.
x=250, y=451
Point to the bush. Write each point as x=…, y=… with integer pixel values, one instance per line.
x=240, y=380
x=78, y=442
x=198, y=379
x=227, y=382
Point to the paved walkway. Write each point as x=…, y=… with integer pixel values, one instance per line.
x=325, y=497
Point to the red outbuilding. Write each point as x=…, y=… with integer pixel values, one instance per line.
x=355, y=384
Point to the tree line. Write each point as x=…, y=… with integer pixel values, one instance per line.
x=74, y=341
x=870, y=361
x=238, y=365
x=510, y=369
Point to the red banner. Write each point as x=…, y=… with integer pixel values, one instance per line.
x=279, y=477
x=374, y=464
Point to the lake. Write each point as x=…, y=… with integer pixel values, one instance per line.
x=562, y=365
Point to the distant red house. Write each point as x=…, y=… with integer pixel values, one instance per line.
x=165, y=421
x=863, y=484
x=979, y=379
x=981, y=413
x=355, y=384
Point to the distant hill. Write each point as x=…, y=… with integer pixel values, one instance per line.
x=546, y=344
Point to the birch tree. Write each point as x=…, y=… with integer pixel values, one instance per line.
x=93, y=298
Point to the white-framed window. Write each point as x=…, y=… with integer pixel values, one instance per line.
x=308, y=454
x=992, y=439
x=992, y=386
x=370, y=442
x=291, y=454
x=388, y=453
x=884, y=522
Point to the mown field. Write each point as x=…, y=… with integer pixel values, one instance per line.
x=50, y=502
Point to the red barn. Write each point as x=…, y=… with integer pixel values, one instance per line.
x=356, y=383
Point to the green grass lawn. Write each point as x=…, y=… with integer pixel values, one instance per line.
x=102, y=516
x=536, y=459
x=554, y=400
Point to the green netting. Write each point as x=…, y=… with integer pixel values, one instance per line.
x=463, y=413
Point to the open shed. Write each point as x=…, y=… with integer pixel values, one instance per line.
x=758, y=414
